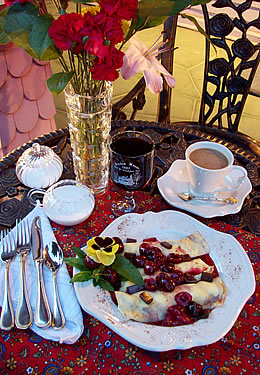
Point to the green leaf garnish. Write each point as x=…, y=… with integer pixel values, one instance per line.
x=80, y=253
x=77, y=263
x=125, y=268
x=105, y=285
x=82, y=276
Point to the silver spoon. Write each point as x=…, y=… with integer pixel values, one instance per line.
x=188, y=197
x=53, y=259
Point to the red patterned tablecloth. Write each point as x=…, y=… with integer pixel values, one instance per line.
x=101, y=351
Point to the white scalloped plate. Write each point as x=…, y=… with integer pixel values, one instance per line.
x=230, y=258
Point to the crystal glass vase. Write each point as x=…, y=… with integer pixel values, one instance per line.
x=89, y=126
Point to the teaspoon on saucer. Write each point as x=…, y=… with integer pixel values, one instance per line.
x=188, y=197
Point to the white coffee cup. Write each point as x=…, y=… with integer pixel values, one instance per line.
x=207, y=182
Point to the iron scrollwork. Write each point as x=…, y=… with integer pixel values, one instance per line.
x=227, y=79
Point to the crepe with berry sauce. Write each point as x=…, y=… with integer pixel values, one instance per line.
x=182, y=284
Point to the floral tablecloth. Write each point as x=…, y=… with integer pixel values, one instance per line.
x=100, y=351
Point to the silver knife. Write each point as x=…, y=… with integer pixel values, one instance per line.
x=42, y=315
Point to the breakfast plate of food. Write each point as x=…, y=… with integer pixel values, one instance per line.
x=196, y=281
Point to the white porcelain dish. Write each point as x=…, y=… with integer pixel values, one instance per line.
x=176, y=180
x=67, y=202
x=230, y=258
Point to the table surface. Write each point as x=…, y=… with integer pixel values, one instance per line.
x=171, y=143
x=99, y=350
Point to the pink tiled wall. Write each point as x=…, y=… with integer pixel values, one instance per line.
x=27, y=108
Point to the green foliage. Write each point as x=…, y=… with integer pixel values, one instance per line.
x=27, y=29
x=125, y=268
x=105, y=285
x=40, y=41
x=145, y=23
x=94, y=275
x=17, y=25
x=80, y=253
x=76, y=262
x=152, y=13
x=82, y=276
x=199, y=28
x=58, y=81
x=3, y=37
x=198, y=2
x=161, y=8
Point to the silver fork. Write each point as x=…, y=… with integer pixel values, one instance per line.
x=24, y=316
x=8, y=253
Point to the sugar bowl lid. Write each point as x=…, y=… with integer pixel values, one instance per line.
x=39, y=167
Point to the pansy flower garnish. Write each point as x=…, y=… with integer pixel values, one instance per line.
x=102, y=250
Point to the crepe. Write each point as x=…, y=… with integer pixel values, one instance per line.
x=193, y=245
x=193, y=267
x=208, y=294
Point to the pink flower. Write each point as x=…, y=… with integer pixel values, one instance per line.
x=140, y=58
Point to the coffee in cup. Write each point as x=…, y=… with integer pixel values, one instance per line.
x=208, y=158
x=210, y=166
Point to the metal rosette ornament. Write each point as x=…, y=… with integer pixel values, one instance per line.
x=227, y=78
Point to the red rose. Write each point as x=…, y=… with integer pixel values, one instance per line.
x=66, y=32
x=106, y=69
x=123, y=9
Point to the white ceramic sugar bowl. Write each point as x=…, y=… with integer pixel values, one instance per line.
x=67, y=202
x=39, y=167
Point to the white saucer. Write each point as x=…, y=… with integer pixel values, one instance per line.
x=176, y=180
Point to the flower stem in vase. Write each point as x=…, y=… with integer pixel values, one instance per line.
x=89, y=126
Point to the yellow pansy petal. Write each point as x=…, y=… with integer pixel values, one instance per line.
x=89, y=251
x=92, y=254
x=98, y=253
x=115, y=247
x=105, y=259
x=91, y=242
